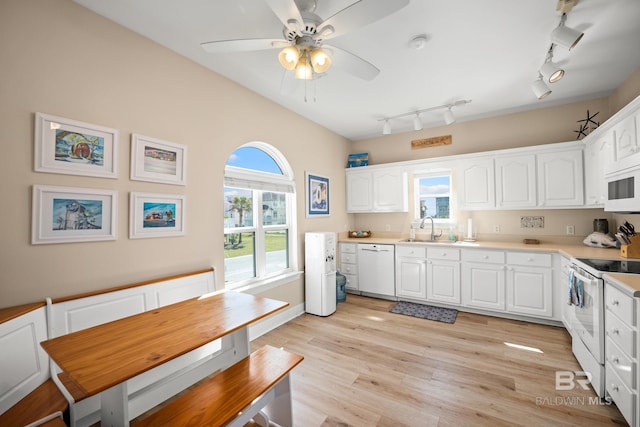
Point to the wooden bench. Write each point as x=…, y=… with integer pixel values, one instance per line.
x=28, y=396
x=256, y=387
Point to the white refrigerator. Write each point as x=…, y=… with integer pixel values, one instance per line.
x=320, y=273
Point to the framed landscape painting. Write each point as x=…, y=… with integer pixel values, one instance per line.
x=317, y=195
x=156, y=215
x=158, y=161
x=75, y=148
x=65, y=214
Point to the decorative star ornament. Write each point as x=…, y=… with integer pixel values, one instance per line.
x=584, y=129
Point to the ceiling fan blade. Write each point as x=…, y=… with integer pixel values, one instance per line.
x=288, y=13
x=353, y=64
x=242, y=45
x=358, y=15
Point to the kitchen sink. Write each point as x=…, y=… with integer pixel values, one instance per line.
x=425, y=241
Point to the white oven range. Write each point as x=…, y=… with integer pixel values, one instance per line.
x=586, y=322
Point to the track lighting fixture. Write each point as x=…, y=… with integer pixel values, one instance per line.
x=565, y=36
x=550, y=72
x=540, y=89
x=417, y=121
x=448, y=117
x=386, y=128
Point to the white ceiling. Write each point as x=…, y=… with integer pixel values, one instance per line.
x=487, y=51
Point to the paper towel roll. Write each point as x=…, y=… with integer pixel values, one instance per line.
x=469, y=228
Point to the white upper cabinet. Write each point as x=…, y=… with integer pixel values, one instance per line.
x=382, y=190
x=560, y=178
x=626, y=137
x=390, y=191
x=599, y=153
x=476, y=185
x=516, y=181
x=359, y=192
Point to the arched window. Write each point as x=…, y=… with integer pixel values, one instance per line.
x=259, y=215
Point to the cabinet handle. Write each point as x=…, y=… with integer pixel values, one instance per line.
x=615, y=360
x=615, y=331
x=444, y=254
x=614, y=388
x=530, y=259
x=615, y=302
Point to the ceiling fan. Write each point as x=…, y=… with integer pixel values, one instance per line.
x=303, y=48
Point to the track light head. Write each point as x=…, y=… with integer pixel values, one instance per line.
x=565, y=36
x=551, y=72
x=540, y=89
x=417, y=122
x=386, y=128
x=449, y=118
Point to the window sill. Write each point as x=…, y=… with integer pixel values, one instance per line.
x=264, y=285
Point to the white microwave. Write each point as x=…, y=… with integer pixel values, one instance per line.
x=623, y=191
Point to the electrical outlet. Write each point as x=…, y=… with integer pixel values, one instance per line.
x=387, y=227
x=496, y=228
x=571, y=230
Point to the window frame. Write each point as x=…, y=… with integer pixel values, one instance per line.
x=416, y=196
x=259, y=182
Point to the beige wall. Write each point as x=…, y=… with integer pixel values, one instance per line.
x=62, y=59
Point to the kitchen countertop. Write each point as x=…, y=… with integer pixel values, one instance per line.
x=629, y=283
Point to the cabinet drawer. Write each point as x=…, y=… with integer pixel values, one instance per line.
x=348, y=269
x=411, y=251
x=352, y=281
x=620, y=333
x=348, y=258
x=529, y=258
x=496, y=257
x=620, y=362
x=348, y=248
x=619, y=304
x=443, y=253
x=621, y=395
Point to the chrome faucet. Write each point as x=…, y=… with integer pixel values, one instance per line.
x=433, y=233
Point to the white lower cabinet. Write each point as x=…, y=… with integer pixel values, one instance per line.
x=529, y=284
x=349, y=264
x=483, y=279
x=411, y=272
x=621, y=351
x=443, y=275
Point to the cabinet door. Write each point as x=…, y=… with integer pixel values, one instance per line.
x=483, y=286
x=411, y=277
x=529, y=291
x=626, y=138
x=476, y=185
x=599, y=153
x=443, y=281
x=390, y=191
x=359, y=192
x=516, y=181
x=560, y=181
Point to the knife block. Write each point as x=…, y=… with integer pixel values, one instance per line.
x=632, y=250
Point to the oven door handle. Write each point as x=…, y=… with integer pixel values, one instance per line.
x=582, y=278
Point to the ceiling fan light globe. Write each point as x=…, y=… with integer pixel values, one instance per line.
x=288, y=57
x=303, y=69
x=320, y=60
x=551, y=72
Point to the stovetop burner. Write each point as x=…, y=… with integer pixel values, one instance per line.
x=613, y=266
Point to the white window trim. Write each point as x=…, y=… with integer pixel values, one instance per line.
x=416, y=197
x=236, y=177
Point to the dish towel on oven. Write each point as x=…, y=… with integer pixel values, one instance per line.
x=576, y=294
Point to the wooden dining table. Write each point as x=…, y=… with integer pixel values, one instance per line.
x=100, y=360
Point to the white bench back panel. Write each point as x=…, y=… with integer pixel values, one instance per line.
x=24, y=365
x=176, y=290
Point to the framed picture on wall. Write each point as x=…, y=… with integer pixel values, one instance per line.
x=156, y=215
x=75, y=148
x=317, y=195
x=158, y=161
x=65, y=214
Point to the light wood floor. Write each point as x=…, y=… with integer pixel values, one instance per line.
x=367, y=367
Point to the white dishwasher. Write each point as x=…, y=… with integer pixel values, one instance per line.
x=376, y=269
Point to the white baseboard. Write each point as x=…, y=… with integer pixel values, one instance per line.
x=274, y=321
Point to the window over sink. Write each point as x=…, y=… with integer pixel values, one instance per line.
x=433, y=196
